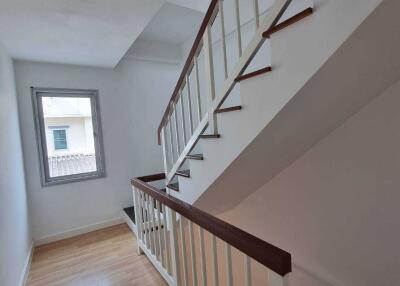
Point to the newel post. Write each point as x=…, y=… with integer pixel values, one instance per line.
x=138, y=218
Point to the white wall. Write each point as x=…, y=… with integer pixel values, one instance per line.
x=132, y=100
x=335, y=209
x=15, y=238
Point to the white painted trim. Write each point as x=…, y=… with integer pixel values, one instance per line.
x=153, y=59
x=27, y=266
x=131, y=225
x=80, y=230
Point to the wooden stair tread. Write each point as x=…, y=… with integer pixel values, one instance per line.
x=184, y=173
x=228, y=109
x=174, y=186
x=209, y=136
x=195, y=156
x=130, y=212
x=299, y=16
x=253, y=74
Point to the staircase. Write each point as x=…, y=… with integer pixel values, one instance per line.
x=264, y=84
x=232, y=125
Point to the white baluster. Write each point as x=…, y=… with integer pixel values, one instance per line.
x=223, y=40
x=174, y=246
x=159, y=231
x=256, y=13
x=189, y=106
x=165, y=150
x=228, y=256
x=196, y=66
x=212, y=120
x=150, y=225
x=147, y=221
x=178, y=144
x=214, y=259
x=247, y=270
x=202, y=257
x=192, y=253
x=139, y=217
x=183, y=119
x=239, y=34
x=136, y=207
x=171, y=140
x=275, y=279
x=167, y=253
x=155, y=232
x=143, y=217
x=183, y=247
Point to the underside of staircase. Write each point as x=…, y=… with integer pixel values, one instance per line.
x=279, y=120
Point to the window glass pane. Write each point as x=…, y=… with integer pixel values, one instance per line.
x=60, y=139
x=69, y=135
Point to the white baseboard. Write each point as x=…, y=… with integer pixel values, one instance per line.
x=78, y=231
x=27, y=266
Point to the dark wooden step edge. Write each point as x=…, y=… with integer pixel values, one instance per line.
x=152, y=178
x=228, y=109
x=130, y=212
x=174, y=187
x=253, y=74
x=184, y=173
x=209, y=136
x=195, y=156
x=303, y=14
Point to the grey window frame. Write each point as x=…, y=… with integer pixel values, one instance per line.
x=37, y=94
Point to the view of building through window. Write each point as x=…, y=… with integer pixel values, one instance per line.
x=69, y=135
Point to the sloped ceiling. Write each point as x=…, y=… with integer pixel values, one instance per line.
x=199, y=5
x=84, y=32
x=164, y=36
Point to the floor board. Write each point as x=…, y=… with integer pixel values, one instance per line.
x=100, y=258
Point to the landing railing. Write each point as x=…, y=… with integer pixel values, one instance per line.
x=166, y=229
x=194, y=103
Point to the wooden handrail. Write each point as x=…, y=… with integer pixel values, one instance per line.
x=187, y=65
x=267, y=254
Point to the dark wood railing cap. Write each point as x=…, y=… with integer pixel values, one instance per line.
x=265, y=253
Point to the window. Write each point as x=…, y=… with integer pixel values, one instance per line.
x=68, y=135
x=60, y=139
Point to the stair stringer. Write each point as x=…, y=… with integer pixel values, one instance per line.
x=297, y=54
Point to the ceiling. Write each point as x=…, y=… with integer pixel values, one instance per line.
x=84, y=32
x=163, y=38
x=199, y=5
x=173, y=24
x=93, y=32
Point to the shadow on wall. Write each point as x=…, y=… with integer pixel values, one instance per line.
x=335, y=209
x=355, y=74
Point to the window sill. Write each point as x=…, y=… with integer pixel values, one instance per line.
x=72, y=179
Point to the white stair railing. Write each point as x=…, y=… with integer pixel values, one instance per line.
x=179, y=139
x=165, y=224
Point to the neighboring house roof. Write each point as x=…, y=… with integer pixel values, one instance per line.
x=64, y=165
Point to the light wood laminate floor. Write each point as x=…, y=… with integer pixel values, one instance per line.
x=100, y=258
